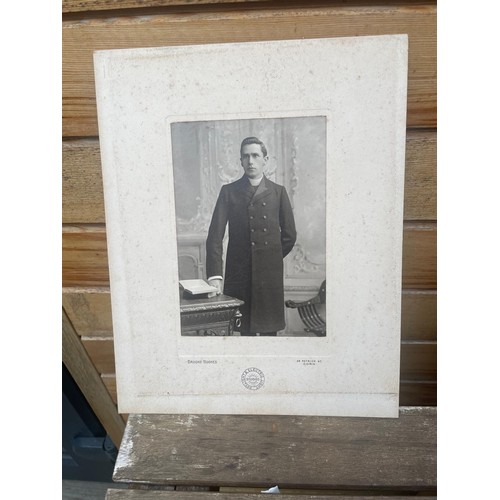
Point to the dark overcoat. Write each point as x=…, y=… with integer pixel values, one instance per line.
x=261, y=233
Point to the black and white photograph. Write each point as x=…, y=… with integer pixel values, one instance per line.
x=254, y=224
x=250, y=200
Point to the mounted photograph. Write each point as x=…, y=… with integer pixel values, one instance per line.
x=254, y=197
x=250, y=204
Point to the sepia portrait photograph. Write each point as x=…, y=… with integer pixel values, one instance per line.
x=250, y=208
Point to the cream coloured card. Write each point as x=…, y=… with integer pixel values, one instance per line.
x=332, y=116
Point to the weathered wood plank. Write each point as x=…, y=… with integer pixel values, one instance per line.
x=90, y=312
x=98, y=5
x=421, y=176
x=419, y=315
x=82, y=370
x=420, y=256
x=85, y=260
x=291, y=451
x=86, y=490
x=102, y=353
x=419, y=361
x=115, y=494
x=82, y=189
x=81, y=38
x=84, y=256
x=415, y=393
x=83, y=200
x=318, y=493
x=109, y=380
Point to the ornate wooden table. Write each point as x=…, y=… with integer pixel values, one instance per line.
x=217, y=316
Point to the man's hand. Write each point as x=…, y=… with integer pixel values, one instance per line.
x=217, y=283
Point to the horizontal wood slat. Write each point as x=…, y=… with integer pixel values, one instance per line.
x=85, y=260
x=99, y=5
x=418, y=361
x=420, y=176
x=420, y=256
x=85, y=257
x=82, y=190
x=88, y=7
x=123, y=494
x=291, y=451
x=419, y=315
x=81, y=38
x=90, y=313
x=411, y=393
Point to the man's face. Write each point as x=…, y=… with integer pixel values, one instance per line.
x=253, y=161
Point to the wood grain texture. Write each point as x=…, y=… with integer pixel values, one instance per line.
x=84, y=256
x=82, y=370
x=421, y=176
x=98, y=5
x=419, y=315
x=109, y=380
x=420, y=256
x=81, y=38
x=82, y=189
x=291, y=451
x=83, y=199
x=419, y=361
x=89, y=7
x=86, y=490
x=116, y=494
x=102, y=353
x=417, y=393
x=85, y=259
x=90, y=312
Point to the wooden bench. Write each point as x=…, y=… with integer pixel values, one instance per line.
x=237, y=457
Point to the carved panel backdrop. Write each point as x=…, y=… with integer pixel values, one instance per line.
x=206, y=156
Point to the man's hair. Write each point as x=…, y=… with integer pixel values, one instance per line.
x=253, y=140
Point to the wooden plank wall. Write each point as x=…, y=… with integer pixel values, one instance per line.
x=104, y=24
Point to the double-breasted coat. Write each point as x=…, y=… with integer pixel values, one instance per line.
x=261, y=233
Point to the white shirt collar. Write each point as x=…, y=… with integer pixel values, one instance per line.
x=255, y=182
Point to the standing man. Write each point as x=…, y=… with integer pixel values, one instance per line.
x=261, y=233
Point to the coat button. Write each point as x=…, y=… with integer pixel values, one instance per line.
x=263, y=203
x=264, y=216
x=252, y=229
x=264, y=230
x=251, y=217
x=253, y=243
x=265, y=242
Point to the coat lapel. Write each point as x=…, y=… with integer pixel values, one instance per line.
x=244, y=189
x=262, y=191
